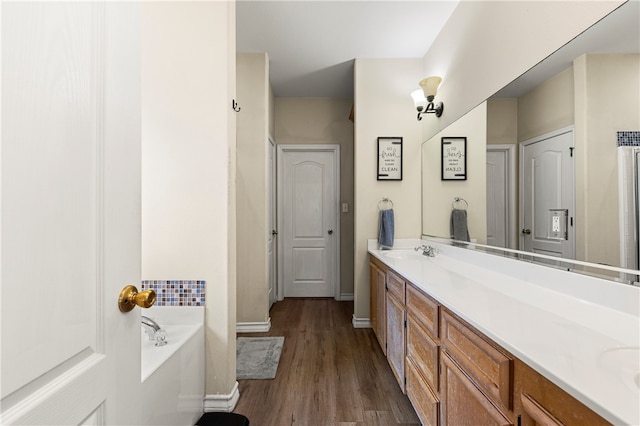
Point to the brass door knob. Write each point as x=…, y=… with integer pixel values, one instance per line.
x=526, y=231
x=130, y=297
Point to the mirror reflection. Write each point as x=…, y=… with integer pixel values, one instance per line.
x=553, y=157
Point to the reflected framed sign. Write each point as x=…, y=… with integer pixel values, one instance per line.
x=454, y=158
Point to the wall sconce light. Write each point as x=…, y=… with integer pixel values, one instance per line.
x=423, y=98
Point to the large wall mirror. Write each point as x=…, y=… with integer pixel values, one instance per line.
x=553, y=157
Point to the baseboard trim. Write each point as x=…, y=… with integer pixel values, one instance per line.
x=346, y=297
x=222, y=403
x=360, y=322
x=253, y=327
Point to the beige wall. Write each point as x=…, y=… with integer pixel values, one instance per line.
x=502, y=121
x=188, y=131
x=383, y=107
x=325, y=121
x=607, y=89
x=548, y=107
x=485, y=45
x=252, y=196
x=438, y=195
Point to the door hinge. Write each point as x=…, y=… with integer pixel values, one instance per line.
x=571, y=151
x=571, y=221
x=405, y=380
x=519, y=420
x=405, y=323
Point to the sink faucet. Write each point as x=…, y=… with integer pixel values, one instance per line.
x=154, y=331
x=427, y=250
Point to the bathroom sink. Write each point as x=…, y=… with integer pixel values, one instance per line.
x=624, y=362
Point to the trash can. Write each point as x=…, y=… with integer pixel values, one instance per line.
x=222, y=419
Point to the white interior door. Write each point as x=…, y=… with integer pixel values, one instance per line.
x=497, y=197
x=547, y=195
x=70, y=228
x=273, y=233
x=308, y=191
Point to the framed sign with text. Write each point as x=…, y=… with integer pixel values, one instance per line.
x=389, y=158
x=454, y=158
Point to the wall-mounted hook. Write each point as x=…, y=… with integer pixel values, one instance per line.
x=235, y=106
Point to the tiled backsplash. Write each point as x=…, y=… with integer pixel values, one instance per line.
x=177, y=292
x=628, y=138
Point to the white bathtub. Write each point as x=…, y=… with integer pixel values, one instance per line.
x=172, y=375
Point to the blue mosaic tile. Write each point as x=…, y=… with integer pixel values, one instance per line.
x=628, y=138
x=177, y=292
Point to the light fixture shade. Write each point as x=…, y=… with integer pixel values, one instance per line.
x=430, y=87
x=419, y=101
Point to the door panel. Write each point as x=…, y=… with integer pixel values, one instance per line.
x=548, y=185
x=70, y=199
x=308, y=192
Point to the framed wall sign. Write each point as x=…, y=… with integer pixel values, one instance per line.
x=454, y=158
x=389, y=158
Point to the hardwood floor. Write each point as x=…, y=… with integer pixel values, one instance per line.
x=329, y=372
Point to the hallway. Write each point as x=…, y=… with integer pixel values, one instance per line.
x=329, y=372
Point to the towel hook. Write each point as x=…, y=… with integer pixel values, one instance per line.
x=385, y=200
x=459, y=200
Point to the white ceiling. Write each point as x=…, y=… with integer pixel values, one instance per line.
x=312, y=44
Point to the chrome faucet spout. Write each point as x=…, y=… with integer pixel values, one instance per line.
x=153, y=330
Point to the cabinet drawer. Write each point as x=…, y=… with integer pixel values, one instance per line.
x=421, y=396
x=395, y=286
x=488, y=366
x=424, y=351
x=463, y=403
x=424, y=309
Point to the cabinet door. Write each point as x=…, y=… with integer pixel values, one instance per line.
x=374, y=272
x=538, y=414
x=463, y=404
x=424, y=401
x=396, y=338
x=381, y=309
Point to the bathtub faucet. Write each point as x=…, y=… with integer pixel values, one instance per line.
x=154, y=331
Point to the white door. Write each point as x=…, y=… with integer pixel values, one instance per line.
x=273, y=233
x=497, y=214
x=547, y=195
x=70, y=228
x=308, y=191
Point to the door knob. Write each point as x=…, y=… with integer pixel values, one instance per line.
x=130, y=297
x=526, y=231
x=274, y=232
x=330, y=232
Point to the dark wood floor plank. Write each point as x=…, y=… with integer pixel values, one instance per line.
x=329, y=373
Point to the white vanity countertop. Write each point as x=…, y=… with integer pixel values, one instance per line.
x=580, y=332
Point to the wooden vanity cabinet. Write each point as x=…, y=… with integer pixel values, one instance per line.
x=455, y=375
x=396, y=325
